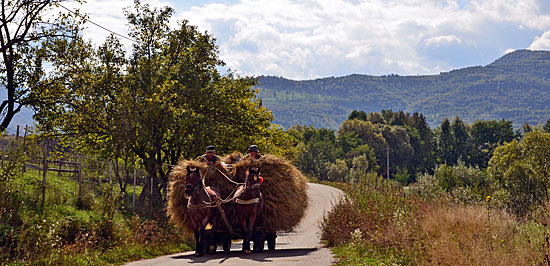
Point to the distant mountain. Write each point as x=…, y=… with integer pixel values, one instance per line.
x=24, y=117
x=515, y=87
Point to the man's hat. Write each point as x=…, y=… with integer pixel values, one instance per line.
x=211, y=148
x=253, y=148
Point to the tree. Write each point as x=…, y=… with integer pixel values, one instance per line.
x=546, y=126
x=526, y=128
x=368, y=134
x=167, y=102
x=338, y=171
x=522, y=171
x=26, y=40
x=317, y=150
x=445, y=141
x=358, y=171
x=422, y=141
x=361, y=115
x=462, y=141
x=398, y=142
x=376, y=118
x=486, y=136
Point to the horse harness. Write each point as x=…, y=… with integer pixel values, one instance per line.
x=246, y=187
x=210, y=204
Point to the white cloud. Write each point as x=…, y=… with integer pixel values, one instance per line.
x=442, y=40
x=541, y=42
x=318, y=38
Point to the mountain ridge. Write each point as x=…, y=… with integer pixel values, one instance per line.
x=514, y=87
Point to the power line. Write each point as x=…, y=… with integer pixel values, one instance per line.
x=104, y=28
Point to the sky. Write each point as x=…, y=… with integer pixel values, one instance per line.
x=311, y=39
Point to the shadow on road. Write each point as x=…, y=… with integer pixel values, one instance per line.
x=265, y=256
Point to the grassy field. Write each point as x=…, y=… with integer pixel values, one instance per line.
x=100, y=230
x=378, y=227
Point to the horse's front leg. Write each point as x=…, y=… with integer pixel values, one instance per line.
x=212, y=238
x=246, y=238
x=197, y=243
x=202, y=233
x=251, y=223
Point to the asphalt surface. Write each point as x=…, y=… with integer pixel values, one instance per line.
x=301, y=247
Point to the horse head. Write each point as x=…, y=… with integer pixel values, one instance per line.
x=193, y=180
x=253, y=178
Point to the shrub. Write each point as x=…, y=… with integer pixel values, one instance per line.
x=521, y=169
x=337, y=171
x=461, y=183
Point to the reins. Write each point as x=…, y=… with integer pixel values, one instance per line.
x=211, y=203
x=217, y=202
x=229, y=179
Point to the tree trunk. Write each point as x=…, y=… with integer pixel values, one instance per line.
x=44, y=175
x=143, y=196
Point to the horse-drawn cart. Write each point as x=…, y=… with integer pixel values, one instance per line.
x=278, y=208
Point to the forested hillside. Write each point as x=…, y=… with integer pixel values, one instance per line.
x=515, y=87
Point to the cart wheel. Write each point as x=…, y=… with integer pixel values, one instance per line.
x=259, y=242
x=271, y=240
x=227, y=244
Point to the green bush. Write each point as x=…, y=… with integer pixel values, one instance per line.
x=462, y=183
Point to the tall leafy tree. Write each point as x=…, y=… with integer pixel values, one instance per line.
x=445, y=142
x=168, y=101
x=368, y=134
x=462, y=141
x=317, y=150
x=486, y=136
x=422, y=141
x=26, y=40
x=400, y=149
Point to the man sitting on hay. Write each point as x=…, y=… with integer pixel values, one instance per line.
x=253, y=153
x=210, y=157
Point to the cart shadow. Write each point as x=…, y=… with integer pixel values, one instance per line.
x=265, y=256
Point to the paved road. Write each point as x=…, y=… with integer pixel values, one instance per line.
x=301, y=247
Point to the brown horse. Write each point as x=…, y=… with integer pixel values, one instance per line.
x=249, y=207
x=202, y=212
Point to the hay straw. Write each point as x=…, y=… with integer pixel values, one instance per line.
x=284, y=190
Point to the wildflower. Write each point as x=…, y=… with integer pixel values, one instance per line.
x=488, y=198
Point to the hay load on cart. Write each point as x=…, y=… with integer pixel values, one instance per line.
x=284, y=191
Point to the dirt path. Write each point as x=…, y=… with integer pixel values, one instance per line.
x=301, y=247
